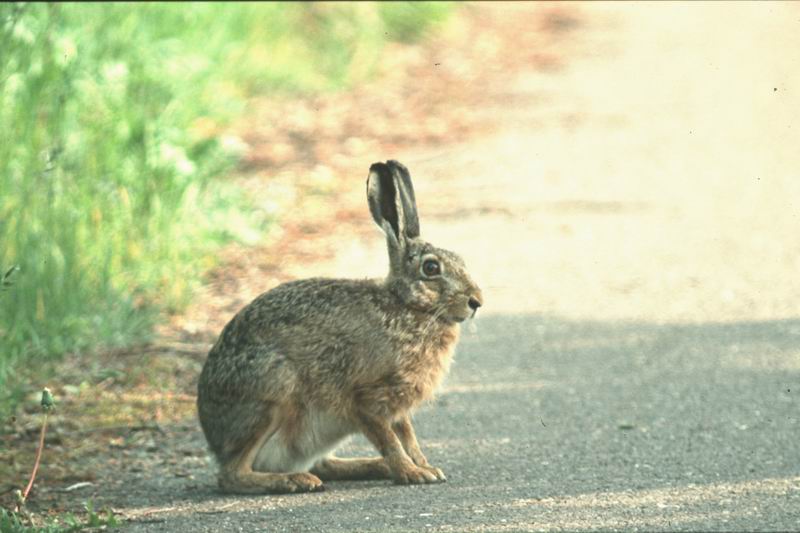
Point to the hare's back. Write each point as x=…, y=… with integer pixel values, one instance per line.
x=305, y=317
x=312, y=305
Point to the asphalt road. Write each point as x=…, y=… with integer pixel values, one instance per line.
x=549, y=424
x=634, y=224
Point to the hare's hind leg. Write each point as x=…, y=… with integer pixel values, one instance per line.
x=238, y=477
x=334, y=468
x=247, y=481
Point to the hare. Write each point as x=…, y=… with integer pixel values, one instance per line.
x=311, y=362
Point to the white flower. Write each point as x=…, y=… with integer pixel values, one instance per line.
x=175, y=156
x=233, y=145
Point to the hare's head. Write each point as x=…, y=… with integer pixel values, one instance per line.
x=424, y=277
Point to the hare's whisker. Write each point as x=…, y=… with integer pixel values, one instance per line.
x=438, y=312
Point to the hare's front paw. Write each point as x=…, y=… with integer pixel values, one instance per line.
x=423, y=463
x=436, y=472
x=414, y=475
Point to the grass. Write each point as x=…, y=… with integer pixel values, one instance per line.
x=11, y=522
x=112, y=133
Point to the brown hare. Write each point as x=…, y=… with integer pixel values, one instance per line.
x=313, y=361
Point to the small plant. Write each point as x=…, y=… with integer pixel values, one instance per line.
x=20, y=520
x=48, y=404
x=11, y=522
x=103, y=518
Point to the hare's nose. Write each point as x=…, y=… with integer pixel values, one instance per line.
x=474, y=303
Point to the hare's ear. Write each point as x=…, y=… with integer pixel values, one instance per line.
x=407, y=201
x=382, y=198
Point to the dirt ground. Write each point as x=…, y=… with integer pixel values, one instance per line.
x=597, y=163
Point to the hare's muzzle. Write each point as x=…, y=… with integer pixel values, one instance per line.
x=474, y=303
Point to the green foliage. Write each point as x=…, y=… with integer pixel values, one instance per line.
x=411, y=21
x=103, y=518
x=112, y=120
x=11, y=522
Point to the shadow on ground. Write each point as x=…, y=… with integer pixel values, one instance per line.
x=555, y=424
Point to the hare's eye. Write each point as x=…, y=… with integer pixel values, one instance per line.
x=431, y=267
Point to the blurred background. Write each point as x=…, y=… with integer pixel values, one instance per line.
x=121, y=139
x=161, y=165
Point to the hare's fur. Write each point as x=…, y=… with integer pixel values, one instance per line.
x=314, y=361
